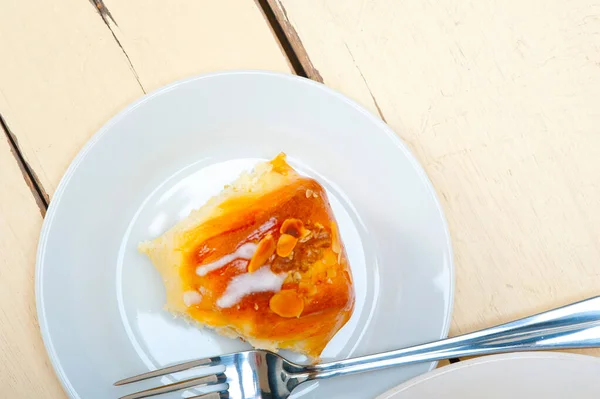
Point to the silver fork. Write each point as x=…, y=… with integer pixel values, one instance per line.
x=262, y=374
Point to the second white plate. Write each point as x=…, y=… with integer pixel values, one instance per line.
x=100, y=302
x=515, y=375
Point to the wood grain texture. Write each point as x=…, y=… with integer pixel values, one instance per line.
x=72, y=67
x=499, y=102
x=25, y=370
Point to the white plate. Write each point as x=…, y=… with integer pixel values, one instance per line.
x=516, y=375
x=100, y=302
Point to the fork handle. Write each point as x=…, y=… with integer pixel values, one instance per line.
x=572, y=326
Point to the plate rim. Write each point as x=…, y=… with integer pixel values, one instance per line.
x=483, y=360
x=88, y=146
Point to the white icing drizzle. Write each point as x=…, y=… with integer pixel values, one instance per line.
x=245, y=251
x=191, y=298
x=239, y=264
x=262, y=280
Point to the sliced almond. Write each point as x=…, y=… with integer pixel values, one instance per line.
x=336, y=245
x=286, y=244
x=287, y=303
x=293, y=227
x=264, y=250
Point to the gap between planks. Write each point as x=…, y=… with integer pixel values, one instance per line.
x=39, y=194
x=279, y=31
x=289, y=39
x=293, y=47
x=107, y=17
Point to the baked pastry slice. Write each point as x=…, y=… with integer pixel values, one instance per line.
x=262, y=261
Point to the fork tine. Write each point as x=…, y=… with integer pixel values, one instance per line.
x=210, y=361
x=191, y=383
x=212, y=395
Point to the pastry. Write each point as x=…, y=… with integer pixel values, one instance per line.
x=262, y=261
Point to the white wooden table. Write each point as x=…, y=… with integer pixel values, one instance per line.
x=499, y=100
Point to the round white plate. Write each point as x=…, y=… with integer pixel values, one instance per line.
x=516, y=375
x=100, y=302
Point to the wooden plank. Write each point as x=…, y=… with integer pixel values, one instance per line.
x=66, y=77
x=499, y=102
x=25, y=370
x=75, y=63
x=167, y=41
